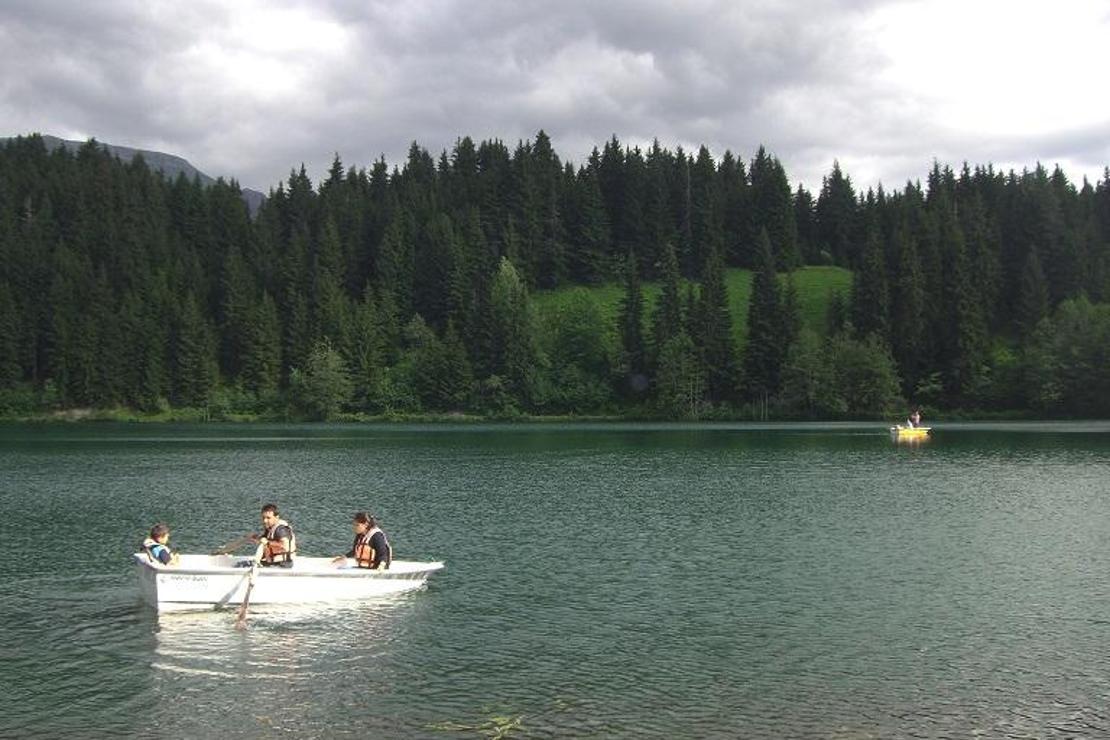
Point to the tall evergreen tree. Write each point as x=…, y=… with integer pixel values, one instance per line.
x=908, y=311
x=764, y=352
x=630, y=323
x=261, y=358
x=194, y=363
x=870, y=295
x=10, y=371
x=1033, y=299
x=717, y=348
x=773, y=209
x=517, y=353
x=836, y=217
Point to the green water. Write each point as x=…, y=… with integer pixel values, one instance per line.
x=601, y=581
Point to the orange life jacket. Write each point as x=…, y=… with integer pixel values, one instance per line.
x=275, y=551
x=364, y=553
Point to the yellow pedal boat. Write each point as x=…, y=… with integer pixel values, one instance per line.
x=901, y=433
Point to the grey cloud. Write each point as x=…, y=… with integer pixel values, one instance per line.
x=798, y=77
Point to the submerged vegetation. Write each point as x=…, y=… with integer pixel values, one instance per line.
x=498, y=282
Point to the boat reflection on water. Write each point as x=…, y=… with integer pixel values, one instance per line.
x=200, y=641
x=292, y=664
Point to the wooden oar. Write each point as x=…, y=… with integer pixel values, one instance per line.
x=241, y=620
x=233, y=545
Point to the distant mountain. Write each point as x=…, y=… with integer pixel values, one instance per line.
x=170, y=165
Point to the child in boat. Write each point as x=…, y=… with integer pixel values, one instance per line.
x=156, y=546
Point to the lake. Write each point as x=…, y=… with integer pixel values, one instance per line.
x=726, y=580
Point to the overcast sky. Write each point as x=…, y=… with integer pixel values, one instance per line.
x=252, y=88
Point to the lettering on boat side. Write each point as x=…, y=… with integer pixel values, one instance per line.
x=183, y=579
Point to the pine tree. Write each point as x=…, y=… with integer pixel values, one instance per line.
x=1033, y=299
x=764, y=353
x=435, y=262
x=791, y=313
x=10, y=371
x=773, y=209
x=323, y=386
x=836, y=216
x=717, y=348
x=630, y=323
x=518, y=356
x=235, y=306
x=363, y=349
x=908, y=311
x=261, y=358
x=679, y=381
x=805, y=215
x=588, y=240
x=736, y=212
x=705, y=211
x=194, y=365
x=667, y=319
x=442, y=373
x=870, y=296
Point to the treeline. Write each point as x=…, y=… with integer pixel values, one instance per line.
x=400, y=291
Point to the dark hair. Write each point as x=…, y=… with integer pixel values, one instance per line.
x=272, y=508
x=158, y=530
x=363, y=518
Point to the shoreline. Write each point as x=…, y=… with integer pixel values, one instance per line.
x=202, y=416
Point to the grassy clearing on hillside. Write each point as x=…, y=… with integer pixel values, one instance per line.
x=815, y=286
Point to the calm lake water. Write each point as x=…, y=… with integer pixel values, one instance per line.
x=602, y=581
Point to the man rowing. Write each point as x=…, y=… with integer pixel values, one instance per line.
x=277, y=535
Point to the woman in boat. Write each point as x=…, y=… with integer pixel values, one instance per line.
x=371, y=548
x=277, y=534
x=915, y=418
x=157, y=548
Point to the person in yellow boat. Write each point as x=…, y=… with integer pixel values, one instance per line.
x=915, y=418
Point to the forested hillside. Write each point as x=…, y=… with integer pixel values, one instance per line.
x=483, y=281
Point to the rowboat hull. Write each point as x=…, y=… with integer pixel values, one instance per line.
x=202, y=582
x=901, y=433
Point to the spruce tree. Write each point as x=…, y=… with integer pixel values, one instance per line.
x=667, y=318
x=908, y=311
x=705, y=211
x=1033, y=298
x=10, y=371
x=261, y=359
x=717, y=348
x=764, y=352
x=870, y=295
x=630, y=321
x=836, y=217
x=517, y=353
x=194, y=365
x=773, y=209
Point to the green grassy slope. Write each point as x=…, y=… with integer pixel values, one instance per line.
x=815, y=286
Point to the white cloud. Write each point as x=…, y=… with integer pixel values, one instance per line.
x=252, y=89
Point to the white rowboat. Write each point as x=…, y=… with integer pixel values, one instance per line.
x=202, y=582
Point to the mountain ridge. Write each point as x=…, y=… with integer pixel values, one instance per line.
x=170, y=165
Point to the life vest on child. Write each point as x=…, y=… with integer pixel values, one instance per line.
x=275, y=551
x=154, y=549
x=365, y=556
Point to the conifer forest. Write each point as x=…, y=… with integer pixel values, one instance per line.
x=476, y=282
